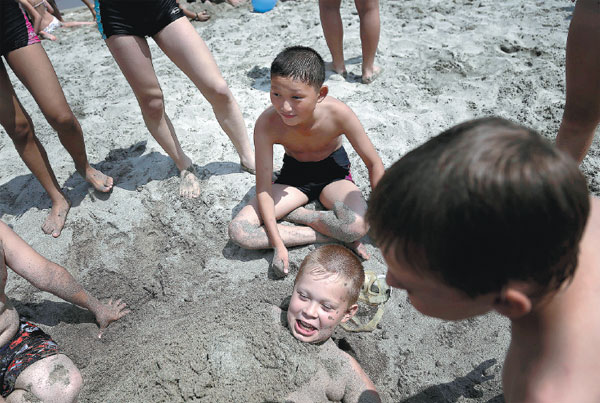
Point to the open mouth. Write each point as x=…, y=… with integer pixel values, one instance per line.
x=304, y=328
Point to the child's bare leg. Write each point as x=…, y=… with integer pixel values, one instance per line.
x=368, y=12
x=132, y=54
x=333, y=30
x=582, y=108
x=247, y=231
x=345, y=220
x=19, y=127
x=32, y=66
x=74, y=24
x=182, y=44
x=51, y=379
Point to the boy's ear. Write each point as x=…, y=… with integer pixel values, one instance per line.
x=512, y=303
x=323, y=93
x=352, y=309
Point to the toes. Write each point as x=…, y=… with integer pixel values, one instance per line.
x=47, y=229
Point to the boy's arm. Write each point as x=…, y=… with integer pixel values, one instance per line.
x=263, y=146
x=360, y=389
x=50, y=277
x=355, y=133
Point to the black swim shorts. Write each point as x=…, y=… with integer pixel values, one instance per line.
x=29, y=345
x=15, y=29
x=135, y=17
x=312, y=177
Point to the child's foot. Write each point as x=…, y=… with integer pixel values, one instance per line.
x=358, y=248
x=55, y=221
x=370, y=75
x=341, y=70
x=190, y=185
x=100, y=182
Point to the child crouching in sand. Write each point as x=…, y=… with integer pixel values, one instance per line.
x=309, y=124
x=325, y=293
x=490, y=216
x=31, y=365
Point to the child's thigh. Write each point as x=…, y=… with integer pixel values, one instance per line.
x=346, y=192
x=50, y=377
x=285, y=198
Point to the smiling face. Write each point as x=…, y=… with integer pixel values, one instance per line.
x=431, y=296
x=294, y=100
x=318, y=305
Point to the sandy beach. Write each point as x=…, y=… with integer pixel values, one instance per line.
x=202, y=326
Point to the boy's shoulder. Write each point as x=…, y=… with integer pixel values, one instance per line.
x=334, y=107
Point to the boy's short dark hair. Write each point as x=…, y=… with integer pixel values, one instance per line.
x=300, y=63
x=485, y=202
x=335, y=260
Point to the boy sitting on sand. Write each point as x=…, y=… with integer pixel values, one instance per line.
x=30, y=362
x=309, y=124
x=489, y=216
x=325, y=293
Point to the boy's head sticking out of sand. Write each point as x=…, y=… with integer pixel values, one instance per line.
x=325, y=293
x=487, y=215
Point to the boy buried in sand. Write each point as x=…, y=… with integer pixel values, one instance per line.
x=325, y=293
x=30, y=362
x=490, y=216
x=309, y=125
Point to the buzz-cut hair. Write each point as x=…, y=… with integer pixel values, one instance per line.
x=483, y=203
x=338, y=261
x=300, y=63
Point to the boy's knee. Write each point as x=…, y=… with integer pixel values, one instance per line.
x=354, y=231
x=71, y=391
x=352, y=225
x=237, y=233
x=240, y=235
x=62, y=384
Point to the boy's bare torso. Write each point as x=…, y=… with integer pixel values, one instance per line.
x=314, y=142
x=554, y=357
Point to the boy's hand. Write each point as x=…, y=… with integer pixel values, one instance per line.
x=110, y=312
x=280, y=262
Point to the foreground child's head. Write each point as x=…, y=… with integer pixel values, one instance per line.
x=297, y=76
x=487, y=215
x=325, y=293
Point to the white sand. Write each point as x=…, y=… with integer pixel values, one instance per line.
x=199, y=329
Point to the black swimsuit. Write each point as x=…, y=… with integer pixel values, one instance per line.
x=135, y=17
x=312, y=177
x=15, y=29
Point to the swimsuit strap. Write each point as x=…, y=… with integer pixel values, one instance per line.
x=39, y=4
